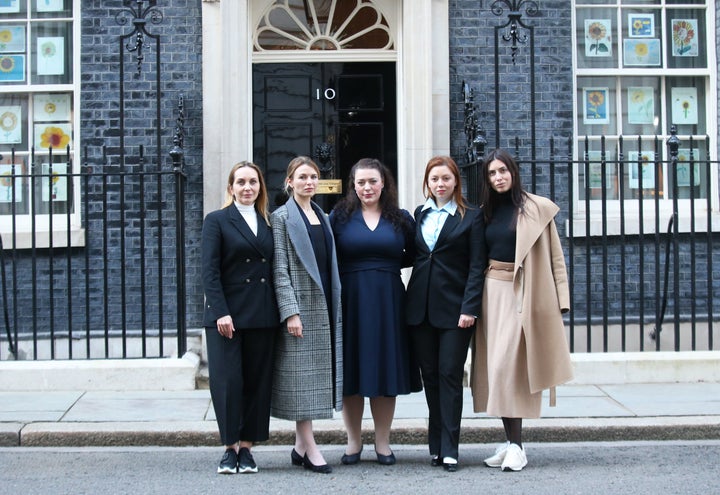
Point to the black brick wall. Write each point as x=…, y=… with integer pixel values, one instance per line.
x=55, y=287
x=472, y=59
x=180, y=35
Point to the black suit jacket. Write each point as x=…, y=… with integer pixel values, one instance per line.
x=237, y=271
x=447, y=281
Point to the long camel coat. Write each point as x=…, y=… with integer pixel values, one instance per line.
x=541, y=291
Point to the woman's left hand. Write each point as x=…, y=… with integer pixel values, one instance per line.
x=466, y=321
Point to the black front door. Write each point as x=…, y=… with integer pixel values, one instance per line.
x=335, y=113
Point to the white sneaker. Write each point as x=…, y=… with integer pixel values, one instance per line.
x=498, y=457
x=515, y=458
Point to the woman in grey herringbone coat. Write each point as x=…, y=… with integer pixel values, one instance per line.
x=308, y=374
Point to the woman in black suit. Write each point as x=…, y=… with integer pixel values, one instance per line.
x=444, y=299
x=241, y=316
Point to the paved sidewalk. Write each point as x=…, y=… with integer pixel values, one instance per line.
x=583, y=413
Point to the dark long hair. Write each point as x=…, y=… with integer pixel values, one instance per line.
x=488, y=197
x=388, y=201
x=438, y=161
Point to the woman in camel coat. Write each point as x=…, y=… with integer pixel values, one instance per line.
x=520, y=347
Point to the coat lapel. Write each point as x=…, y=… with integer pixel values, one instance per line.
x=420, y=240
x=239, y=223
x=301, y=240
x=538, y=212
x=451, y=222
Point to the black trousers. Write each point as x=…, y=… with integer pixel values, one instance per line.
x=241, y=382
x=441, y=353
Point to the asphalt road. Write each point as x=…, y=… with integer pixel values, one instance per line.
x=678, y=467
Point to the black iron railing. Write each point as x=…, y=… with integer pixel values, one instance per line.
x=95, y=257
x=639, y=235
x=118, y=290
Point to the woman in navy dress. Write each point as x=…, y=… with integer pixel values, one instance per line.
x=374, y=240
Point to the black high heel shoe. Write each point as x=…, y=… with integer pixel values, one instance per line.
x=322, y=469
x=295, y=458
x=385, y=460
x=349, y=459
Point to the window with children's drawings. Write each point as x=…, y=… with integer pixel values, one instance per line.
x=39, y=88
x=641, y=67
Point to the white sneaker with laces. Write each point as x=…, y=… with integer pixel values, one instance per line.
x=515, y=458
x=498, y=457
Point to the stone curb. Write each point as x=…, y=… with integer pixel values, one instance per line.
x=408, y=432
x=10, y=434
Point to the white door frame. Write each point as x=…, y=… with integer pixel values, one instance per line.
x=423, y=103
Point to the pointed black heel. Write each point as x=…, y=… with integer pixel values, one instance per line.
x=385, y=460
x=295, y=458
x=350, y=459
x=322, y=469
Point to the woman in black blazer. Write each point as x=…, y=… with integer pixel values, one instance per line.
x=444, y=298
x=241, y=316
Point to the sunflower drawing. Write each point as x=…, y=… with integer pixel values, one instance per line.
x=595, y=102
x=8, y=121
x=683, y=34
x=5, y=36
x=7, y=64
x=597, y=33
x=6, y=179
x=641, y=50
x=48, y=49
x=54, y=137
x=641, y=105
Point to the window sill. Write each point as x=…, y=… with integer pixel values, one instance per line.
x=632, y=225
x=24, y=240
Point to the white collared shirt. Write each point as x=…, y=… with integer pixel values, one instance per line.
x=434, y=220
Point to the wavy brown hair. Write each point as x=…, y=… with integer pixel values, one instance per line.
x=388, y=197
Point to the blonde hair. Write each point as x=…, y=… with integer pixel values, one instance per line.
x=261, y=203
x=295, y=164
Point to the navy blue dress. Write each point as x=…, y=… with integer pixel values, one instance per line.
x=376, y=348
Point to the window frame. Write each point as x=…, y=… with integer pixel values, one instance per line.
x=621, y=74
x=24, y=231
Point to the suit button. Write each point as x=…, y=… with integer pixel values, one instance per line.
x=264, y=260
x=247, y=260
x=262, y=280
x=247, y=280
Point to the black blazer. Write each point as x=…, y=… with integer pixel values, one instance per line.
x=237, y=271
x=447, y=281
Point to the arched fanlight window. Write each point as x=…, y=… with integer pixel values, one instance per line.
x=322, y=25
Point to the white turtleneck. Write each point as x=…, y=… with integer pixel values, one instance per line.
x=248, y=213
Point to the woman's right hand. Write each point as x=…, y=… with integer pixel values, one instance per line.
x=294, y=326
x=225, y=326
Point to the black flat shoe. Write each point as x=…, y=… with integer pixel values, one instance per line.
x=385, y=460
x=295, y=458
x=322, y=469
x=349, y=459
x=435, y=461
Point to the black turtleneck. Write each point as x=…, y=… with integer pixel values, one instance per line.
x=500, y=234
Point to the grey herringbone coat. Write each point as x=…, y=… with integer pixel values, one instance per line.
x=308, y=373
